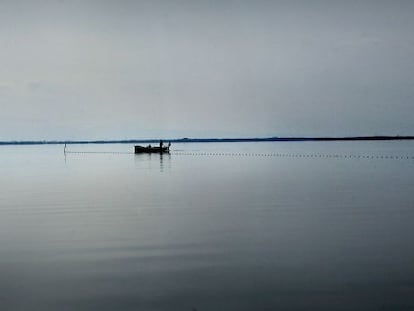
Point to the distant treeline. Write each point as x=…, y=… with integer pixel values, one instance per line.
x=205, y=140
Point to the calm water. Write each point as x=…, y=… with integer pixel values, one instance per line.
x=229, y=226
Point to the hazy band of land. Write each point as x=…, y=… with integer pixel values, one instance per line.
x=205, y=140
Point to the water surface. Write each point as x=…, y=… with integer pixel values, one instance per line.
x=212, y=226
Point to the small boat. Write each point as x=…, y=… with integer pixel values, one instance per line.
x=150, y=149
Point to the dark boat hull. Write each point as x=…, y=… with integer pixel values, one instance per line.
x=141, y=149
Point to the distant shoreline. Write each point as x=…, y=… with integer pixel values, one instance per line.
x=208, y=140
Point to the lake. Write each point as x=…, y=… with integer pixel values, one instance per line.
x=212, y=226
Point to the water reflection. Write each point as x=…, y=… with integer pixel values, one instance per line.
x=108, y=231
x=165, y=161
x=149, y=160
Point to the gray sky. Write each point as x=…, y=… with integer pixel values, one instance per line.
x=140, y=69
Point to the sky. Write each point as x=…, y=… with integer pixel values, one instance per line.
x=124, y=69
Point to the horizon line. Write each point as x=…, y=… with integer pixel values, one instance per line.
x=188, y=140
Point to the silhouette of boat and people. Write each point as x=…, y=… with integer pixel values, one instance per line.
x=150, y=149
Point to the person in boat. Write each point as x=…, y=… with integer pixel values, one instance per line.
x=161, y=143
x=169, y=145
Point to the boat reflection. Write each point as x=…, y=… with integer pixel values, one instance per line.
x=150, y=160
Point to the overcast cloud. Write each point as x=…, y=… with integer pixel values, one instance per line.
x=144, y=69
